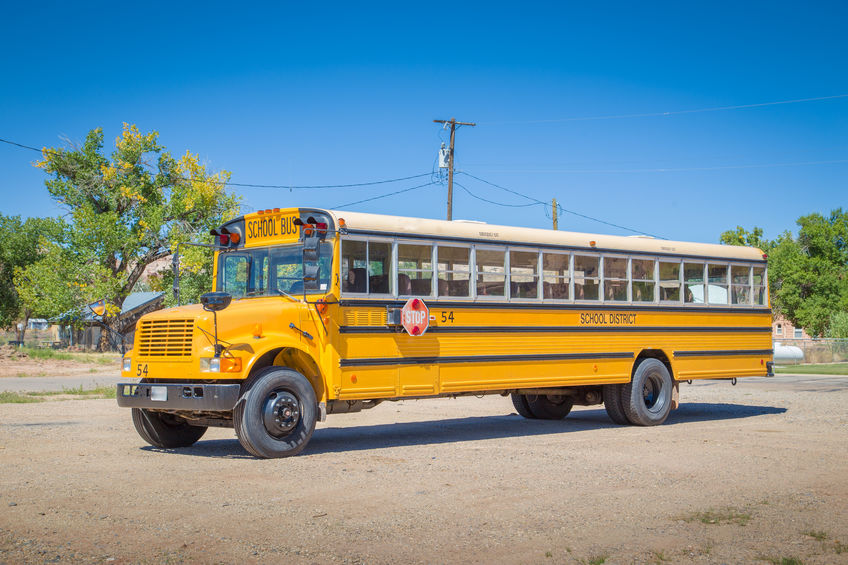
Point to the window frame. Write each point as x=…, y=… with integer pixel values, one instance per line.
x=492, y=247
x=599, y=278
x=471, y=272
x=433, y=267
x=626, y=279
x=392, y=267
x=537, y=274
x=569, y=273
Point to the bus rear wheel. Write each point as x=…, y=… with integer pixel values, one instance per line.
x=521, y=406
x=613, y=405
x=549, y=406
x=276, y=416
x=165, y=430
x=647, y=397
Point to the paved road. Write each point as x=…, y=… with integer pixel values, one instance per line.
x=37, y=384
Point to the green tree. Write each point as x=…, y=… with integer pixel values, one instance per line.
x=808, y=275
x=741, y=236
x=19, y=248
x=130, y=209
x=838, y=325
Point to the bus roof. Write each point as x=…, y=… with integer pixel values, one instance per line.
x=482, y=232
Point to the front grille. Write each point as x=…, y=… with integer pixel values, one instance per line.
x=165, y=338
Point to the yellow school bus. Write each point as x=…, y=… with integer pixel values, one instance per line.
x=319, y=312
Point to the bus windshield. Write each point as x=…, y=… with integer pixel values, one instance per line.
x=270, y=271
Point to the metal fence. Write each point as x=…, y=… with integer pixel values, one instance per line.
x=821, y=350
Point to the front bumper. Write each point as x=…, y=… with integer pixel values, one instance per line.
x=178, y=396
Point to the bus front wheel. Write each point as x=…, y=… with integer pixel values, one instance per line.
x=647, y=397
x=165, y=431
x=276, y=416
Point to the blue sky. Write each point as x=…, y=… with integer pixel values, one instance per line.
x=309, y=93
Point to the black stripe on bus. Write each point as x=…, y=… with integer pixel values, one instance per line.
x=552, y=329
x=480, y=359
x=551, y=246
x=434, y=304
x=723, y=352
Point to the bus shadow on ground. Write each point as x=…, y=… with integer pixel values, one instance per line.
x=472, y=428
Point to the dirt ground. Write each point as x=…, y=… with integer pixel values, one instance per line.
x=14, y=363
x=744, y=474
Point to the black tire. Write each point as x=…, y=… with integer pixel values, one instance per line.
x=165, y=430
x=550, y=406
x=277, y=415
x=521, y=406
x=647, y=397
x=612, y=403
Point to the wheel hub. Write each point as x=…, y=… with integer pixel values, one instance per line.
x=281, y=413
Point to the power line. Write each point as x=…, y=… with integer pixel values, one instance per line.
x=505, y=205
x=559, y=207
x=670, y=169
x=670, y=113
x=336, y=207
x=350, y=185
x=247, y=185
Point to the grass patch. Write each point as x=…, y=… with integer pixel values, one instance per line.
x=816, y=534
x=725, y=515
x=53, y=355
x=7, y=397
x=816, y=369
x=42, y=395
x=100, y=392
x=782, y=560
x=596, y=560
x=659, y=557
x=840, y=547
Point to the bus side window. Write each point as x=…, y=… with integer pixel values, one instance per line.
x=693, y=276
x=670, y=282
x=415, y=270
x=643, y=280
x=353, y=267
x=491, y=274
x=740, y=289
x=379, y=267
x=555, y=276
x=523, y=274
x=454, y=271
x=615, y=279
x=759, y=288
x=586, y=277
x=717, y=284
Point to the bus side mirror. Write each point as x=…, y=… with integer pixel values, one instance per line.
x=310, y=249
x=310, y=276
x=215, y=301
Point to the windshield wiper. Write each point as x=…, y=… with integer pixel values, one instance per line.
x=286, y=294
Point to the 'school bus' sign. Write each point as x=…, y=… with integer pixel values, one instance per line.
x=271, y=228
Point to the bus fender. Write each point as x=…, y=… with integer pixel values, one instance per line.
x=290, y=354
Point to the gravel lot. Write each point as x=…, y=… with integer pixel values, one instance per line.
x=751, y=473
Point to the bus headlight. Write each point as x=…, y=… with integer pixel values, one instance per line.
x=220, y=365
x=127, y=364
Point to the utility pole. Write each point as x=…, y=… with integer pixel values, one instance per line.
x=554, y=208
x=453, y=123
